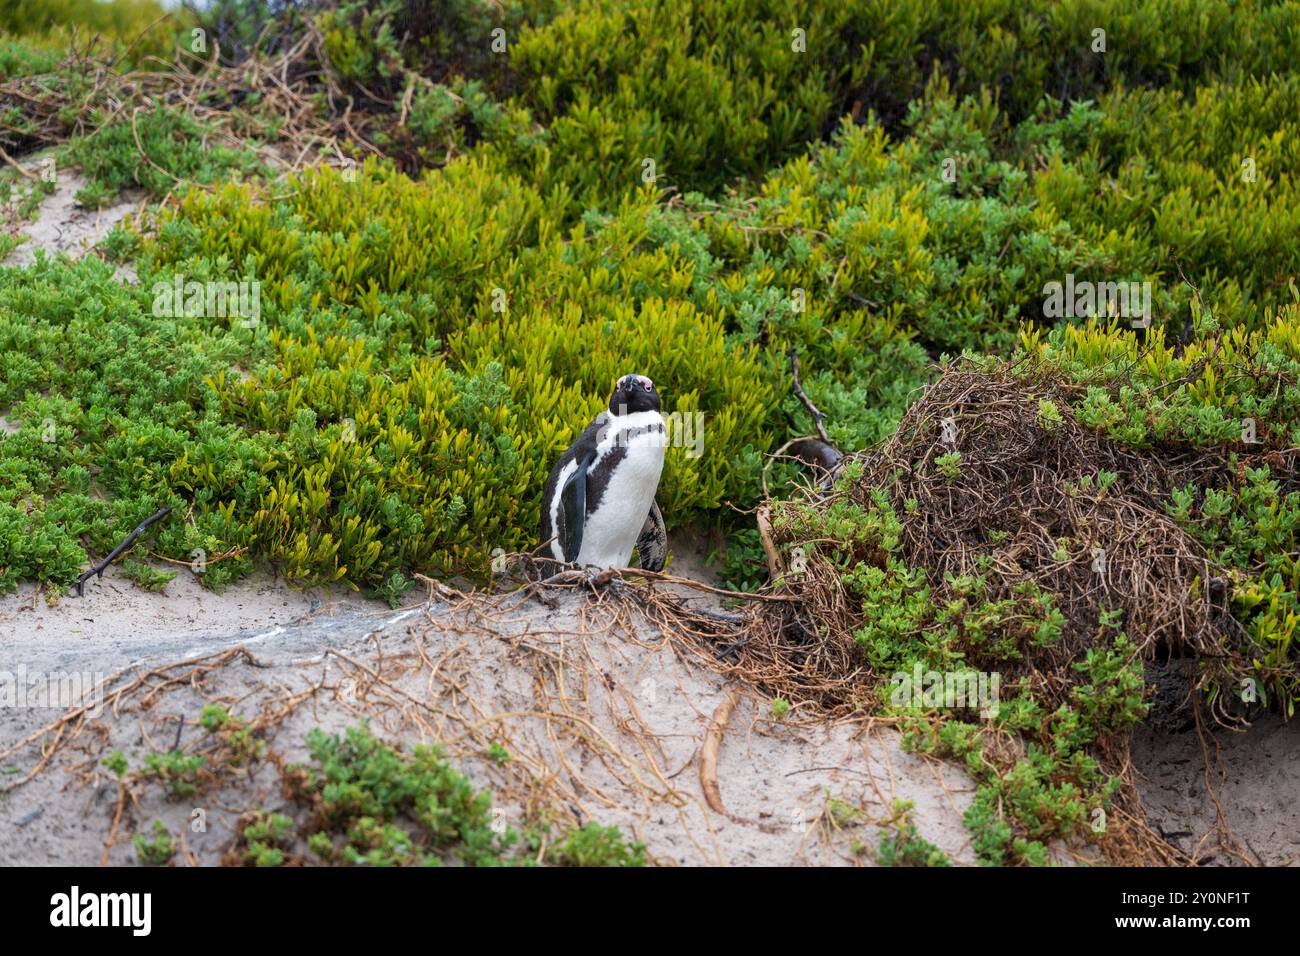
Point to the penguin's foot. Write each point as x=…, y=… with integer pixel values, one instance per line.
x=591, y=577
x=601, y=578
x=616, y=585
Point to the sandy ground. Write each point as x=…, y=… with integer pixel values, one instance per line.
x=606, y=711
x=1255, y=772
x=605, y=708
x=64, y=226
x=115, y=622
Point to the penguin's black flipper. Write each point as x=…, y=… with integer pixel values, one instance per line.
x=573, y=507
x=652, y=542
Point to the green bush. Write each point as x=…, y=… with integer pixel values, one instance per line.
x=133, y=28
x=453, y=313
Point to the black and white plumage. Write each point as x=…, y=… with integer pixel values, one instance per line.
x=599, y=502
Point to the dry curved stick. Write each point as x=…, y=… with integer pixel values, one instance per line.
x=16, y=165
x=709, y=753
x=818, y=452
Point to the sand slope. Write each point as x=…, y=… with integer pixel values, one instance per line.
x=604, y=718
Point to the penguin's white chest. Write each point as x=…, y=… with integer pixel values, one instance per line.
x=626, y=474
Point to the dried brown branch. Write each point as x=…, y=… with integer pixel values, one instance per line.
x=709, y=752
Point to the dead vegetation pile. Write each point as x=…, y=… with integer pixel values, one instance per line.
x=1022, y=505
x=290, y=106
x=991, y=477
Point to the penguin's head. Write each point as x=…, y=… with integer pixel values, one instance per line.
x=634, y=393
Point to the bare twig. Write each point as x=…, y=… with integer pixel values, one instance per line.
x=98, y=569
x=818, y=416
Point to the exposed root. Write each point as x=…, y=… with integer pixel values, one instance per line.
x=709, y=753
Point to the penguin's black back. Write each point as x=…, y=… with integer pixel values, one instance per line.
x=583, y=447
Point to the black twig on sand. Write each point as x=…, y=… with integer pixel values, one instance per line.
x=98, y=569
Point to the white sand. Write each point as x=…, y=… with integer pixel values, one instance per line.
x=64, y=226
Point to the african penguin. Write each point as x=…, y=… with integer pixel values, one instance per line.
x=600, y=498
